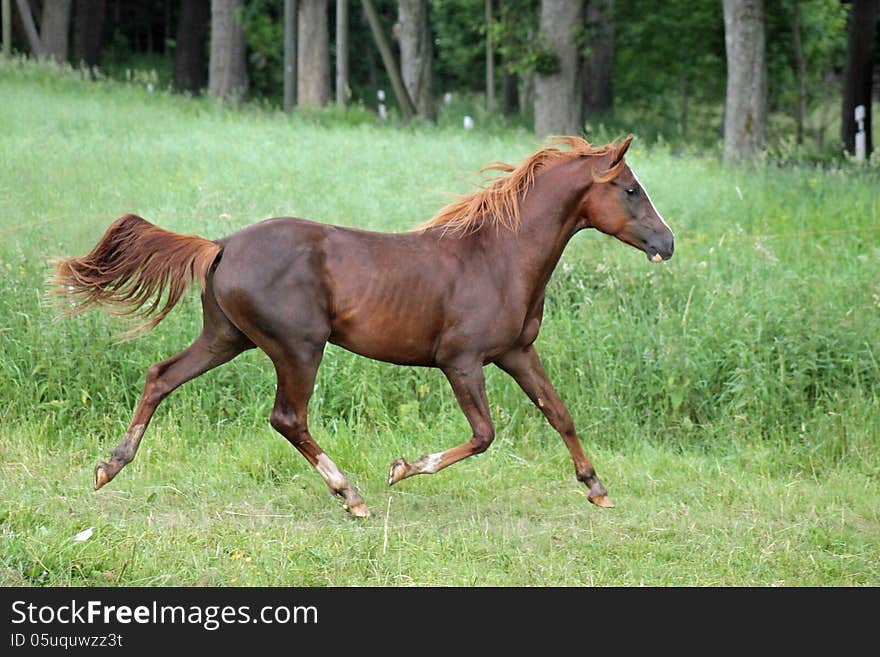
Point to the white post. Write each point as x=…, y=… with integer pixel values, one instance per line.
x=383, y=113
x=861, y=145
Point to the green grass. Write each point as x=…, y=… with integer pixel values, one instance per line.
x=729, y=398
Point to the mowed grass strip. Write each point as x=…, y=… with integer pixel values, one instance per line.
x=728, y=397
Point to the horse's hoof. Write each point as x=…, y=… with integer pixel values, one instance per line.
x=602, y=500
x=599, y=496
x=398, y=472
x=102, y=474
x=358, y=510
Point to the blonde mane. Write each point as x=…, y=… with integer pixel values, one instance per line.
x=498, y=203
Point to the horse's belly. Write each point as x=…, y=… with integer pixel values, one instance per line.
x=402, y=348
x=388, y=319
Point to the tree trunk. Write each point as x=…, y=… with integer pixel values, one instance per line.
x=87, y=30
x=313, y=54
x=403, y=100
x=527, y=97
x=166, y=26
x=227, y=71
x=290, y=12
x=30, y=29
x=859, y=71
x=55, y=29
x=685, y=105
x=510, y=93
x=7, y=28
x=372, y=68
x=416, y=54
x=599, y=65
x=342, y=91
x=830, y=80
x=800, y=71
x=490, y=60
x=745, y=105
x=190, y=58
x=558, y=95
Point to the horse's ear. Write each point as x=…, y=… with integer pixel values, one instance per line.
x=621, y=150
x=616, y=164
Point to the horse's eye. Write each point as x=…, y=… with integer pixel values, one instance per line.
x=630, y=191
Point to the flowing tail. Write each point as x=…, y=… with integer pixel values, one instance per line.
x=134, y=262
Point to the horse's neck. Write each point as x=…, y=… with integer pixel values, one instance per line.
x=548, y=221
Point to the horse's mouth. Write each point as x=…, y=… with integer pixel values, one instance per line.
x=655, y=256
x=656, y=249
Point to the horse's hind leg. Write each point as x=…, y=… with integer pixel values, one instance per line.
x=296, y=372
x=219, y=342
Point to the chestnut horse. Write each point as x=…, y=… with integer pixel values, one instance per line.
x=464, y=290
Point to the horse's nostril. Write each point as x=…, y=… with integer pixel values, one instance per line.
x=667, y=246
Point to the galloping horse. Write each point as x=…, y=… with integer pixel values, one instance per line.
x=464, y=290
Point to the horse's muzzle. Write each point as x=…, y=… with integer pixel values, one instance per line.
x=660, y=250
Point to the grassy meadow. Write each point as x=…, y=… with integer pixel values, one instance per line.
x=729, y=398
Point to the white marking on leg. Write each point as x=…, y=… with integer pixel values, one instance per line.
x=332, y=475
x=650, y=202
x=431, y=463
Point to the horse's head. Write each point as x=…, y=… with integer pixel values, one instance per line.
x=618, y=205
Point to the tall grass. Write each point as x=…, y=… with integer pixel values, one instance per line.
x=729, y=397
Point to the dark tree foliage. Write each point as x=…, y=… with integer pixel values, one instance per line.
x=598, y=66
x=516, y=33
x=365, y=70
x=88, y=28
x=264, y=31
x=858, y=77
x=670, y=65
x=144, y=26
x=669, y=70
x=460, y=40
x=191, y=49
x=669, y=57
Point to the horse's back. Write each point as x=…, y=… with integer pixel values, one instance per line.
x=407, y=298
x=377, y=294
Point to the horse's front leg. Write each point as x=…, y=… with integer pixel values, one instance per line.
x=470, y=392
x=524, y=365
